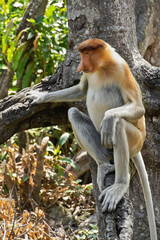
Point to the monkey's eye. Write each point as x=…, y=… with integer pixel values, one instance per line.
x=87, y=53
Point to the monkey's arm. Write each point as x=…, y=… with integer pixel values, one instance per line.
x=131, y=111
x=75, y=93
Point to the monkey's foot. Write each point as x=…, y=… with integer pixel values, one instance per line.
x=112, y=195
x=103, y=170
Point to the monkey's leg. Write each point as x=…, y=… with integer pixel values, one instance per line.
x=127, y=143
x=89, y=139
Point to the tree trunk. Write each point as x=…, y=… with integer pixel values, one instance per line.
x=114, y=22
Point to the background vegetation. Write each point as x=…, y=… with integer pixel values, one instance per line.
x=49, y=47
x=36, y=178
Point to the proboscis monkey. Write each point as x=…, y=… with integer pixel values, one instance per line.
x=116, y=120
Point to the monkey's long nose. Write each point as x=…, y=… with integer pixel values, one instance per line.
x=80, y=67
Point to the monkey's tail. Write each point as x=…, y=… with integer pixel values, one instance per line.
x=138, y=161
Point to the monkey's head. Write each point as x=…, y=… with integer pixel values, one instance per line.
x=92, y=52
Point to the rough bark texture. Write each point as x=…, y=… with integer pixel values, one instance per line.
x=115, y=225
x=5, y=82
x=114, y=22
x=148, y=29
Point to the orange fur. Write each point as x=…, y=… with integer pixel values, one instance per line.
x=129, y=81
x=98, y=57
x=91, y=44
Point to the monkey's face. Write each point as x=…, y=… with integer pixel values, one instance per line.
x=91, y=60
x=85, y=63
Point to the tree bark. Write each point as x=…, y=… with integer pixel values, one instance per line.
x=114, y=22
x=5, y=82
x=35, y=9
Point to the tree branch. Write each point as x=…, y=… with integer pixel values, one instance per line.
x=148, y=77
x=118, y=224
x=35, y=9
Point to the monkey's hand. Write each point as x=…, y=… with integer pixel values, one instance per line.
x=36, y=97
x=103, y=170
x=108, y=131
x=112, y=195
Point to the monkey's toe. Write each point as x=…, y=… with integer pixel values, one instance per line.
x=112, y=195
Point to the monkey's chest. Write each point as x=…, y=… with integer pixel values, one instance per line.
x=100, y=100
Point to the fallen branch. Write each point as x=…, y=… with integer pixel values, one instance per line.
x=82, y=162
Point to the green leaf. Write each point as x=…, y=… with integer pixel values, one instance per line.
x=28, y=73
x=10, y=51
x=50, y=147
x=50, y=10
x=22, y=64
x=24, y=179
x=30, y=35
x=39, y=19
x=7, y=5
x=19, y=34
x=94, y=226
x=66, y=160
x=9, y=2
x=3, y=155
x=5, y=35
x=57, y=150
x=71, y=162
x=78, y=181
x=62, y=10
x=2, y=2
x=64, y=137
x=60, y=171
x=17, y=55
x=13, y=89
x=31, y=20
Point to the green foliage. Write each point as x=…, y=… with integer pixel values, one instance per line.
x=91, y=233
x=10, y=16
x=44, y=48
x=69, y=161
x=57, y=152
x=5, y=36
x=63, y=138
x=17, y=55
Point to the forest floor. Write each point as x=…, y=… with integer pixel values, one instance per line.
x=65, y=208
x=56, y=222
